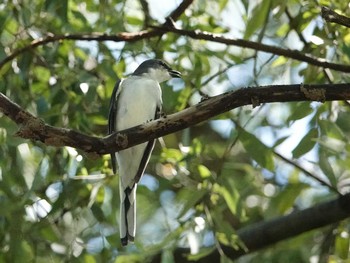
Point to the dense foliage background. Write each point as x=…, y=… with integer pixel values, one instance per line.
x=203, y=183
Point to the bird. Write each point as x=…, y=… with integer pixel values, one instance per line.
x=135, y=100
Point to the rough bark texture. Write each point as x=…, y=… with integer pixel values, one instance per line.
x=33, y=128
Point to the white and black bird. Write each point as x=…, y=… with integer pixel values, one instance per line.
x=135, y=100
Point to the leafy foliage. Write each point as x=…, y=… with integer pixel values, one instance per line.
x=202, y=184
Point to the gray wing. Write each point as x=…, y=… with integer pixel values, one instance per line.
x=147, y=152
x=111, y=120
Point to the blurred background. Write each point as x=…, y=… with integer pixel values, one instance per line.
x=202, y=183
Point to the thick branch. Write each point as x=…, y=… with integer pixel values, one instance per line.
x=33, y=128
x=264, y=234
x=330, y=16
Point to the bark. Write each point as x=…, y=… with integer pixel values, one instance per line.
x=263, y=234
x=33, y=128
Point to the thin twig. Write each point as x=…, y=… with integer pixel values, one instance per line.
x=180, y=9
x=293, y=26
x=146, y=13
x=330, y=16
x=212, y=77
x=306, y=172
x=289, y=53
x=121, y=37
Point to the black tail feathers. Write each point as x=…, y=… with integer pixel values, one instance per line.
x=128, y=238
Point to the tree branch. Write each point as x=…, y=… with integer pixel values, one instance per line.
x=146, y=13
x=123, y=36
x=180, y=9
x=31, y=127
x=288, y=53
x=330, y=16
x=308, y=173
x=263, y=234
x=195, y=34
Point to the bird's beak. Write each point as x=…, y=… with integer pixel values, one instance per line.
x=175, y=74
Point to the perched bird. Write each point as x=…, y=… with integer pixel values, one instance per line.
x=135, y=100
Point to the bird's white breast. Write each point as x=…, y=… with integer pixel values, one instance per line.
x=137, y=101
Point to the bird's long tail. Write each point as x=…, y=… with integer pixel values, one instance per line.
x=127, y=214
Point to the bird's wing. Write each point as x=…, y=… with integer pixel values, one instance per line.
x=112, y=117
x=147, y=152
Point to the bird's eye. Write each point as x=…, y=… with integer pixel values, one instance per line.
x=164, y=65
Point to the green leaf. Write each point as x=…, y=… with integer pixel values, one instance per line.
x=230, y=195
x=280, y=61
x=225, y=233
x=167, y=256
x=342, y=244
x=327, y=169
x=331, y=129
x=133, y=20
x=98, y=213
x=89, y=259
x=24, y=64
x=26, y=16
x=58, y=8
x=183, y=98
x=189, y=198
x=49, y=234
x=225, y=259
x=24, y=252
x=98, y=119
x=222, y=4
x=42, y=74
x=130, y=258
x=285, y=200
x=62, y=7
x=280, y=140
x=202, y=253
x=306, y=144
x=120, y=67
x=3, y=17
x=300, y=110
x=256, y=149
x=333, y=145
x=3, y=135
x=258, y=18
x=171, y=154
x=342, y=121
x=203, y=171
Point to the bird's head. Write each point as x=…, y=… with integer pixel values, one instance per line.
x=157, y=70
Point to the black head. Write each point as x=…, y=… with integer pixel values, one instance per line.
x=156, y=65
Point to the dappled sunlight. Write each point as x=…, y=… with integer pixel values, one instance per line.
x=253, y=162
